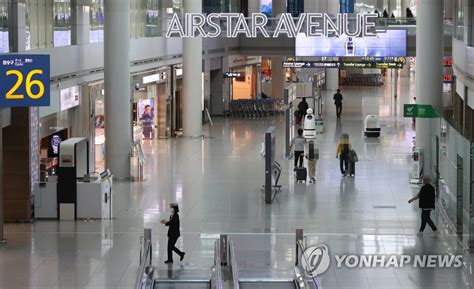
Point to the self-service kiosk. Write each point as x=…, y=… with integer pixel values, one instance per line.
x=73, y=166
x=74, y=193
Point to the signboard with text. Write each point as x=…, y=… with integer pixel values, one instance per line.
x=343, y=64
x=25, y=80
x=420, y=111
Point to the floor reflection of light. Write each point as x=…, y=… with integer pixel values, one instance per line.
x=179, y=193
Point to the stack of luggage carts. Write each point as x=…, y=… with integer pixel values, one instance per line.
x=363, y=80
x=254, y=108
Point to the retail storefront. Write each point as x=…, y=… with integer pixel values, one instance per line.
x=247, y=72
x=152, y=107
x=57, y=127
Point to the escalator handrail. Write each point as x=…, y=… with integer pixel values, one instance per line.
x=218, y=282
x=313, y=279
x=144, y=277
x=233, y=264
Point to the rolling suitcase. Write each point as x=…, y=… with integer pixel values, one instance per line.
x=301, y=174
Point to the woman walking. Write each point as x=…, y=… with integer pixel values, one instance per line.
x=173, y=234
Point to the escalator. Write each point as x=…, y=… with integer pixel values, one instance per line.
x=182, y=280
x=225, y=274
x=267, y=284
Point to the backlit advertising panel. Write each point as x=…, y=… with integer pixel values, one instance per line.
x=389, y=43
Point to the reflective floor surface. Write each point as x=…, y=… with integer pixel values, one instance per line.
x=217, y=182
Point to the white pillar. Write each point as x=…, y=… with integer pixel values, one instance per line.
x=448, y=9
x=394, y=76
x=118, y=122
x=192, y=78
x=380, y=6
x=392, y=6
x=332, y=74
x=404, y=7
x=278, y=77
x=80, y=31
x=429, y=68
x=278, y=73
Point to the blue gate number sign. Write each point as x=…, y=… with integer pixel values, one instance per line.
x=24, y=80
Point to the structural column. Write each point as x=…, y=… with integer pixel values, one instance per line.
x=429, y=69
x=380, y=6
x=80, y=10
x=392, y=7
x=192, y=78
x=17, y=25
x=278, y=72
x=404, y=8
x=118, y=123
x=332, y=74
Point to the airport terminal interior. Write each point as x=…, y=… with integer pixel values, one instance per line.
x=227, y=144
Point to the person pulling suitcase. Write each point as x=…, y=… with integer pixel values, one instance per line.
x=298, y=143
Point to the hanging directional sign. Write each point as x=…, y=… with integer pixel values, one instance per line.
x=420, y=111
x=24, y=80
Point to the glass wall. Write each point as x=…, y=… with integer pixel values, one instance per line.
x=4, y=43
x=138, y=18
x=39, y=24
x=459, y=19
x=62, y=23
x=48, y=23
x=148, y=18
x=221, y=6
x=96, y=20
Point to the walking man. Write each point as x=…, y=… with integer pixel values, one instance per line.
x=338, y=102
x=427, y=199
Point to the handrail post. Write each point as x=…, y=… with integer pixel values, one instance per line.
x=223, y=249
x=146, y=238
x=299, y=237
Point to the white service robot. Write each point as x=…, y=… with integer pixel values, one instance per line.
x=372, y=126
x=309, y=129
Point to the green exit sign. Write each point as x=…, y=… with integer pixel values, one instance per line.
x=420, y=111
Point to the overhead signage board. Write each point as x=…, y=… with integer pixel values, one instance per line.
x=25, y=80
x=232, y=75
x=420, y=111
x=69, y=97
x=342, y=64
x=257, y=24
x=388, y=43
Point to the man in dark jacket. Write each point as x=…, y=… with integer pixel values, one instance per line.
x=303, y=107
x=173, y=234
x=338, y=103
x=427, y=200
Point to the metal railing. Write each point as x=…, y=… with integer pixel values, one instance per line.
x=137, y=151
x=233, y=266
x=306, y=279
x=146, y=271
x=217, y=277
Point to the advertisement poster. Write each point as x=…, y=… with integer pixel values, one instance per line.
x=266, y=7
x=295, y=7
x=390, y=43
x=346, y=6
x=146, y=112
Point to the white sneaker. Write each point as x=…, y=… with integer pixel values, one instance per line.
x=420, y=234
x=434, y=234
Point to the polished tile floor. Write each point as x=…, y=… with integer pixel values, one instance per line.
x=217, y=183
